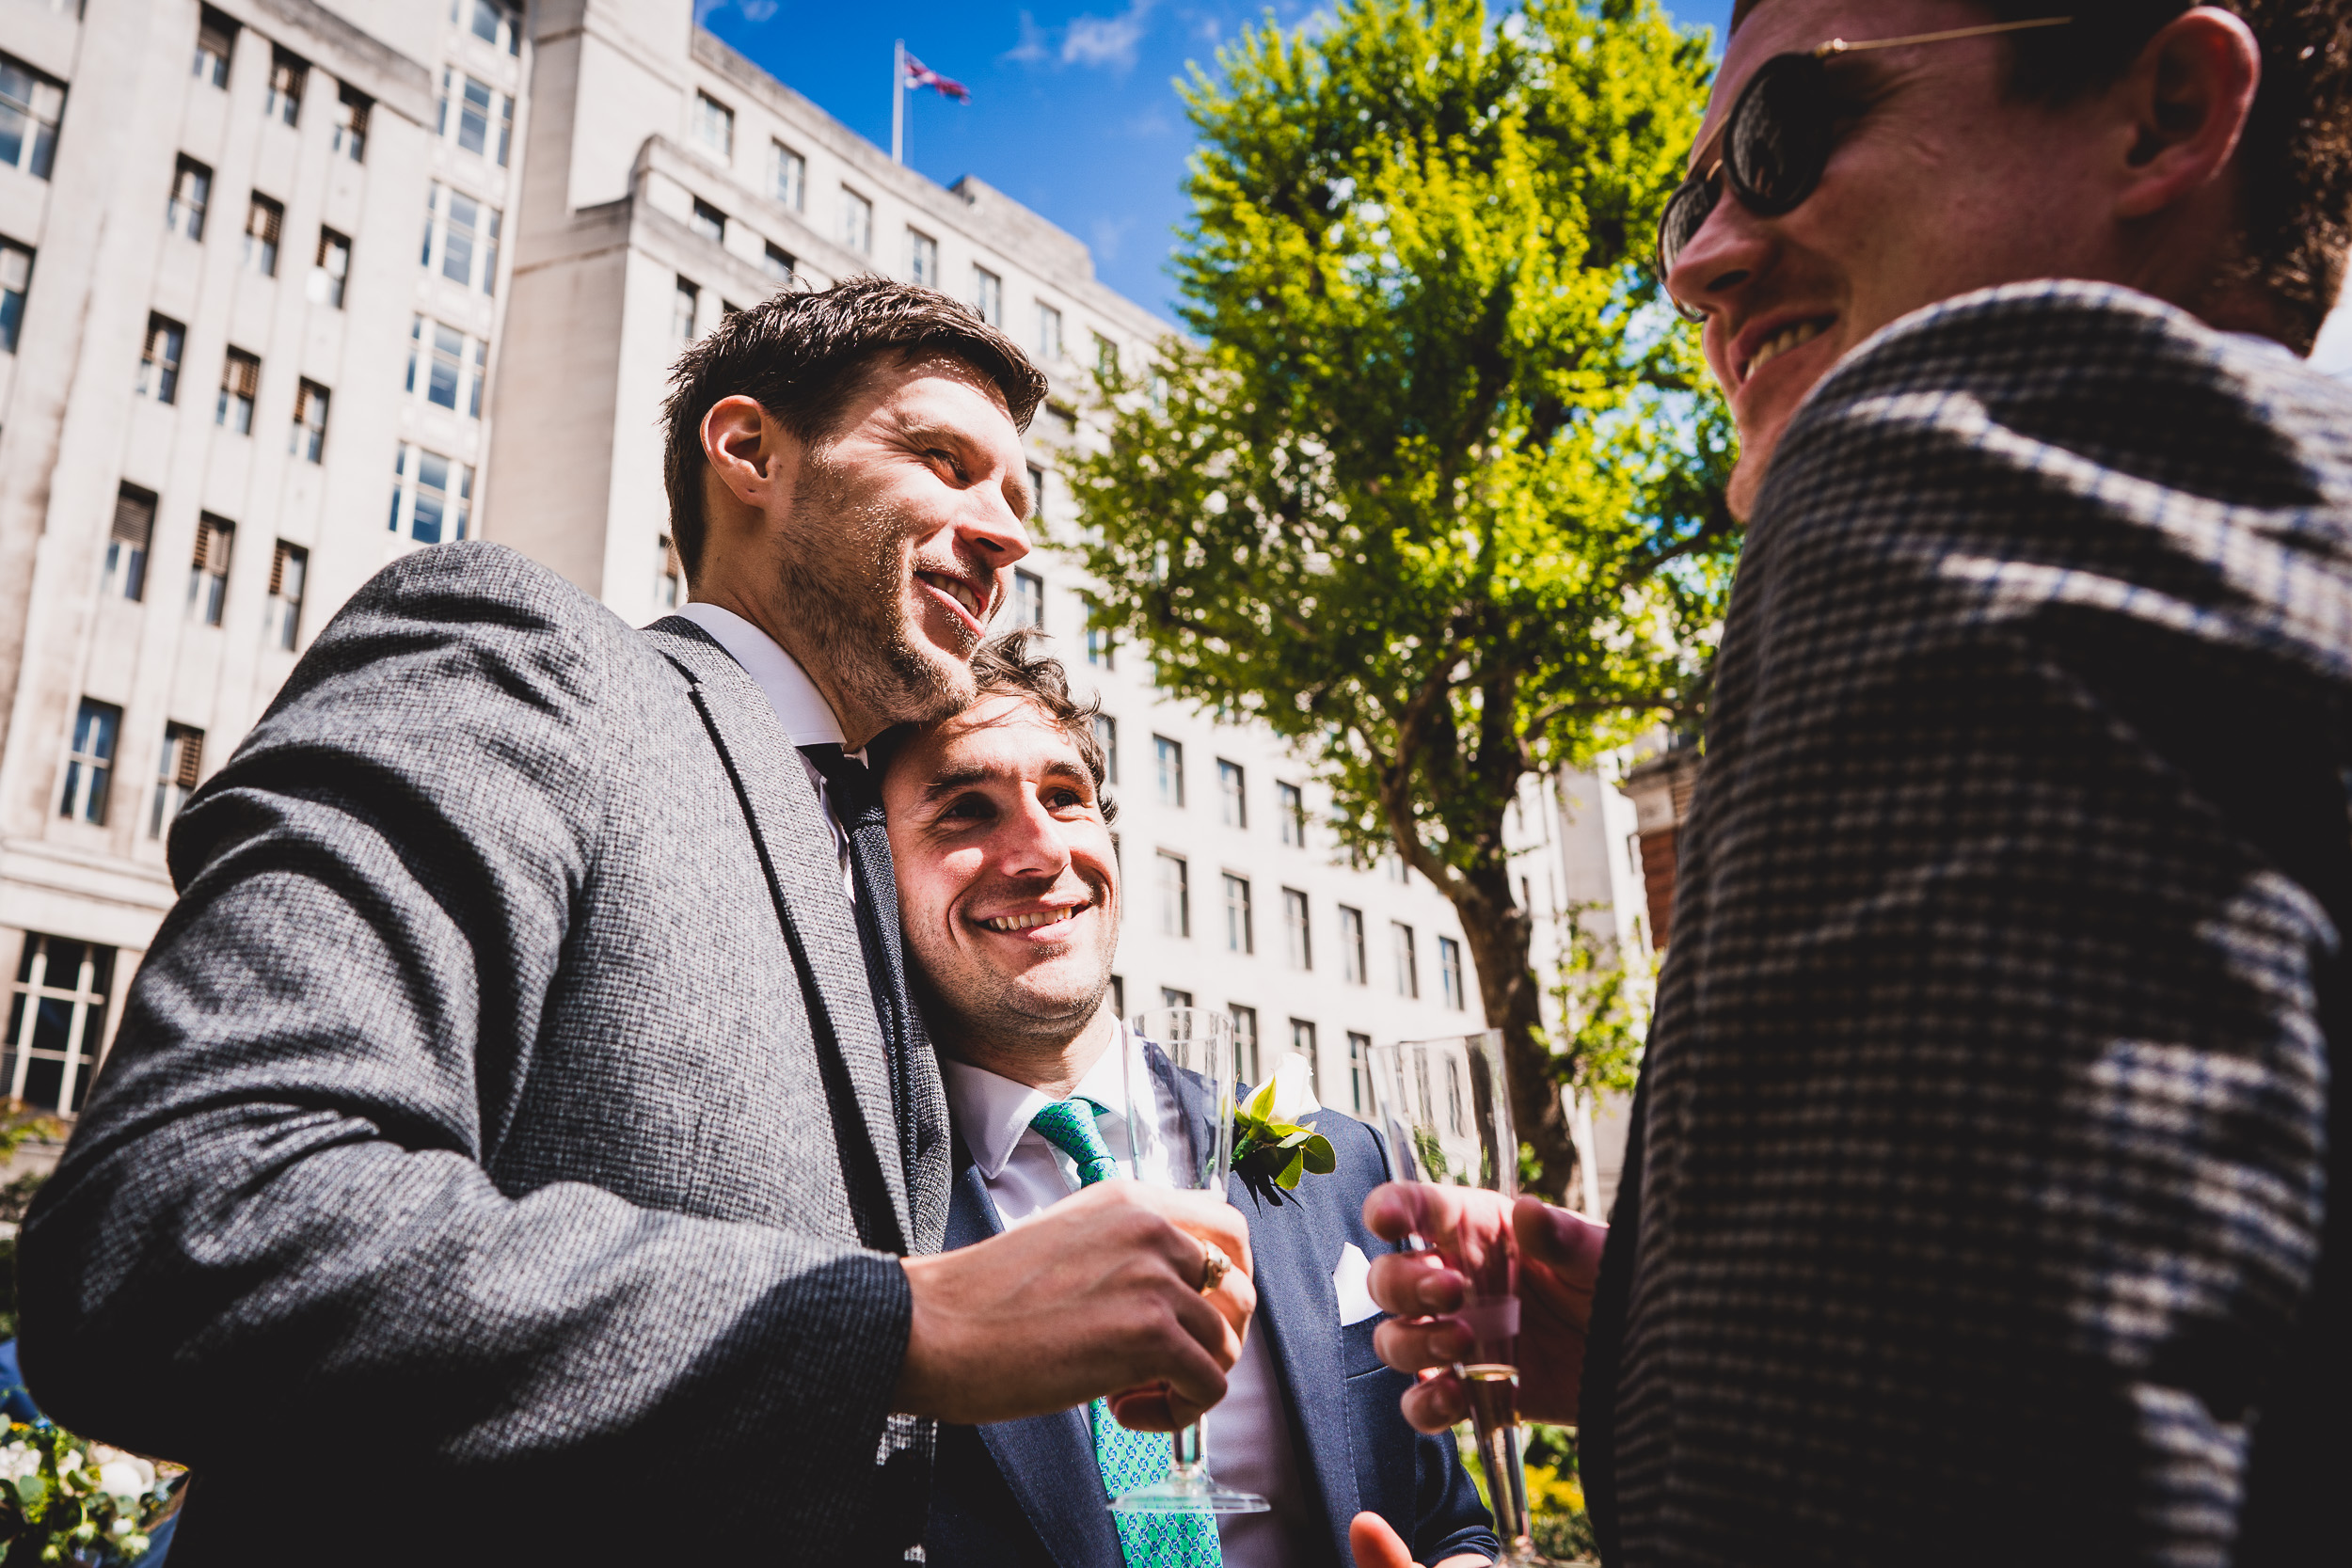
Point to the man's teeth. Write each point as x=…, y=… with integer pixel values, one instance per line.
x=1803, y=332
x=1023, y=922
x=956, y=589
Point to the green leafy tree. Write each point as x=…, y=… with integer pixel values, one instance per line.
x=1432, y=489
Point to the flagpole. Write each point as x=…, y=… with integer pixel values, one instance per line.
x=899, y=101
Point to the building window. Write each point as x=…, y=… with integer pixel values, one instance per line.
x=289, y=572
x=1233, y=799
x=495, y=23
x=1171, y=997
x=447, y=366
x=208, y=573
x=1106, y=358
x=1240, y=934
x=1358, y=1057
x=1303, y=1042
x=714, y=127
x=1289, y=804
x=1407, y=971
x=1106, y=737
x=1048, y=334
x=264, y=218
x=461, y=237
x=287, y=74
x=669, y=582
x=1169, y=759
x=432, y=496
x=351, y=124
x=1028, y=600
x=1302, y=950
x=683, y=303
x=988, y=296
x=176, y=773
x=1102, y=647
x=1352, y=968
x=331, y=269
x=1450, y=973
x=90, y=762
x=1398, y=872
x=1244, y=1042
x=479, y=119
x=30, y=106
x=857, y=223
x=307, y=437
x=1037, y=493
x=240, y=378
x=126, y=546
x=1175, y=896
x=788, y=176
x=159, y=362
x=778, y=264
x=216, y=41
x=922, y=259
x=191, y=190
x=711, y=223
x=16, y=277
x=58, y=1021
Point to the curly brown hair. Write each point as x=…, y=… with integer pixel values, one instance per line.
x=1009, y=665
x=2297, y=152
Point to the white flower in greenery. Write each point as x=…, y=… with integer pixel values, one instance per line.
x=1294, y=1089
x=126, y=1476
x=17, y=1460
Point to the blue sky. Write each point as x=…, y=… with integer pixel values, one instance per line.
x=1074, y=110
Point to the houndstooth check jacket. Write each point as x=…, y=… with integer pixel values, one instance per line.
x=498, y=1160
x=1975, y=1203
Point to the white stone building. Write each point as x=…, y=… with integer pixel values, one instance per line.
x=295, y=286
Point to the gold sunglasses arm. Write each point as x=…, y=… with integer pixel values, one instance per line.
x=1840, y=46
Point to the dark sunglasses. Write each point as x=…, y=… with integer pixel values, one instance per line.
x=1777, y=139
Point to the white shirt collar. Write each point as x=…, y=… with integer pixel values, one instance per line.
x=993, y=1112
x=807, y=718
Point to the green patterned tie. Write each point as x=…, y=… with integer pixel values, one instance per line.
x=1128, y=1459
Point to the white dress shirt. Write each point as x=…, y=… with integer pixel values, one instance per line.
x=807, y=718
x=1247, y=1437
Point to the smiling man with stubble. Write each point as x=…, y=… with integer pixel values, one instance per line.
x=521, y=1110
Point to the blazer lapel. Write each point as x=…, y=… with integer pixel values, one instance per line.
x=1047, y=1461
x=796, y=849
x=1298, y=1312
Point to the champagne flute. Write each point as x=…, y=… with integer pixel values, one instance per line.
x=1179, y=1134
x=1446, y=1113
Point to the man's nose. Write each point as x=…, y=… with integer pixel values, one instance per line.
x=1733, y=247
x=1033, y=845
x=988, y=532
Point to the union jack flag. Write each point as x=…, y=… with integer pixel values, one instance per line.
x=921, y=75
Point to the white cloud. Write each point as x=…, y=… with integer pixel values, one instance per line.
x=1032, y=46
x=1106, y=235
x=1093, y=41
x=751, y=10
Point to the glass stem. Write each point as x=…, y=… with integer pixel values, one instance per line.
x=1189, y=1455
x=1499, y=1447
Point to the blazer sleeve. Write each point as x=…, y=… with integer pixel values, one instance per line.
x=275, y=1215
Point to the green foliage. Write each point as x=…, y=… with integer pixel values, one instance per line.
x=64, y=1499
x=1283, y=1150
x=1604, y=995
x=1436, y=490
x=1562, y=1530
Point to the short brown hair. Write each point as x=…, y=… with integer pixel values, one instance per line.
x=801, y=354
x=1009, y=665
x=2296, y=153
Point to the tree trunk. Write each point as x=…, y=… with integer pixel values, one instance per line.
x=1500, y=934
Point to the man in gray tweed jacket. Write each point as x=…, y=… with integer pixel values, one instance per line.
x=1986, y=1195
x=517, y=1147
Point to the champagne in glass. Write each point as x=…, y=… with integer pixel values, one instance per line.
x=1180, y=1119
x=1446, y=1113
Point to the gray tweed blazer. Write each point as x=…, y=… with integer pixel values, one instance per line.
x=500, y=1123
x=1980, y=1211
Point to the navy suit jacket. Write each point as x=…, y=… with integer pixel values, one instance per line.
x=1028, y=1494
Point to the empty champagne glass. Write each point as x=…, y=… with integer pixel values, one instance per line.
x=1446, y=1113
x=1180, y=1119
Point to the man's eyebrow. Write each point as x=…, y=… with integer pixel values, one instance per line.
x=947, y=781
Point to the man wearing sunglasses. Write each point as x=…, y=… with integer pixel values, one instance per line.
x=1986, y=1194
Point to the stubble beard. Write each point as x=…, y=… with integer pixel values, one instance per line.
x=842, y=575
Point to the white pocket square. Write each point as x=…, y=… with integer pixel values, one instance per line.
x=1351, y=1283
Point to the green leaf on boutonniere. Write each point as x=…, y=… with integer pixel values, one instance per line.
x=1281, y=1150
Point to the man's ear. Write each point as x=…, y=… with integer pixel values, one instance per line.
x=2189, y=94
x=750, y=454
